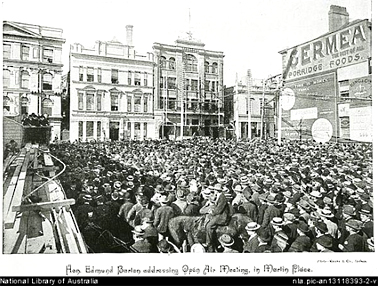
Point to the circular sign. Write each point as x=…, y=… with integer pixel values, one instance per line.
x=322, y=130
x=287, y=99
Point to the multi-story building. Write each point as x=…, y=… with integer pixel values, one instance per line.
x=111, y=92
x=250, y=107
x=327, y=93
x=189, y=89
x=32, y=70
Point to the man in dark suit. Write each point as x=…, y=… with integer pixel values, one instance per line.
x=219, y=214
x=302, y=243
x=140, y=245
x=162, y=216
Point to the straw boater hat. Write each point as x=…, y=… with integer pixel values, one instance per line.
x=226, y=240
x=252, y=226
x=326, y=213
x=277, y=221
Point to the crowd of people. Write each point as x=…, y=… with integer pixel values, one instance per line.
x=34, y=120
x=297, y=196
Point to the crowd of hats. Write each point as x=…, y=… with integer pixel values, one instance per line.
x=34, y=120
x=309, y=182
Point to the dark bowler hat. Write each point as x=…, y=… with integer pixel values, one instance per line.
x=321, y=226
x=303, y=226
x=264, y=235
x=325, y=241
x=355, y=224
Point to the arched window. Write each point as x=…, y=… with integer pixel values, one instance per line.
x=47, y=81
x=47, y=106
x=138, y=101
x=6, y=103
x=6, y=78
x=24, y=105
x=215, y=68
x=172, y=63
x=163, y=62
x=25, y=79
x=191, y=63
x=207, y=68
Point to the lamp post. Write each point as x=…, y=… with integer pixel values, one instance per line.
x=262, y=111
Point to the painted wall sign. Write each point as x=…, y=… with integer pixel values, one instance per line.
x=344, y=47
x=314, y=98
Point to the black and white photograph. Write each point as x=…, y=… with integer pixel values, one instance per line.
x=187, y=138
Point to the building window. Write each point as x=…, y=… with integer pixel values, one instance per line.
x=114, y=102
x=81, y=74
x=114, y=76
x=25, y=77
x=129, y=75
x=194, y=85
x=98, y=129
x=195, y=121
x=47, y=55
x=47, y=105
x=24, y=105
x=89, y=130
x=171, y=83
x=214, y=68
x=25, y=53
x=145, y=79
x=172, y=63
x=172, y=104
x=137, y=130
x=81, y=129
x=163, y=62
x=6, y=78
x=90, y=101
x=207, y=68
x=137, y=104
x=6, y=51
x=99, y=101
x=90, y=74
x=187, y=84
x=137, y=78
x=81, y=101
x=145, y=130
x=207, y=85
x=6, y=103
x=213, y=86
x=47, y=82
x=191, y=63
x=35, y=53
x=129, y=104
x=145, y=104
x=99, y=75
x=161, y=84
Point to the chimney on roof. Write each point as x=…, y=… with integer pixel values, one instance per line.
x=337, y=17
x=129, y=35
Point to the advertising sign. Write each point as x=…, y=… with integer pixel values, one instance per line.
x=360, y=88
x=344, y=47
x=361, y=127
x=310, y=100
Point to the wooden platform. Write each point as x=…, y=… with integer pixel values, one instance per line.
x=37, y=215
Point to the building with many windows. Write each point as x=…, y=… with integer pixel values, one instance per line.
x=250, y=107
x=111, y=92
x=189, y=89
x=32, y=71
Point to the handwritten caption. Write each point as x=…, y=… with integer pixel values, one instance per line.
x=189, y=270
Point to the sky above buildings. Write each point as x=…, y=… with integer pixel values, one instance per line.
x=249, y=32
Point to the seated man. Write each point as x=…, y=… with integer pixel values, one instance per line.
x=219, y=214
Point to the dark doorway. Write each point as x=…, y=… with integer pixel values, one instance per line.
x=114, y=131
